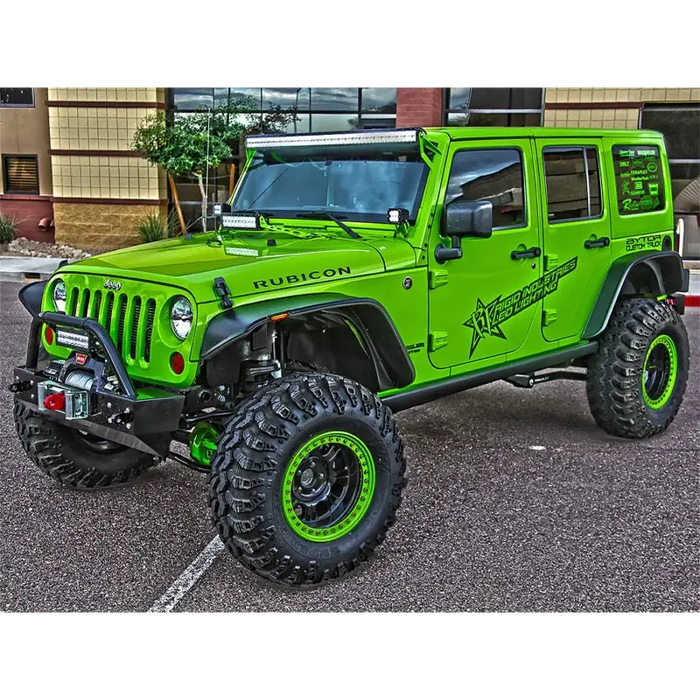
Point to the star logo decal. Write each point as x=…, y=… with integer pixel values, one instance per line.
x=482, y=323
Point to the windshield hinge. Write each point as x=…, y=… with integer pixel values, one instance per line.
x=428, y=150
x=221, y=289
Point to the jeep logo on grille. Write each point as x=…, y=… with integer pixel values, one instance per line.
x=116, y=286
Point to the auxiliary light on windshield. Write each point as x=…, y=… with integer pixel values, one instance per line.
x=397, y=215
x=378, y=136
x=240, y=221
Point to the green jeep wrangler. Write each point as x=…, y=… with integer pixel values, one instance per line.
x=354, y=275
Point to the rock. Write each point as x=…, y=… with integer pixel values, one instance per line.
x=38, y=249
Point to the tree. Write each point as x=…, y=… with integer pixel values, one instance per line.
x=192, y=143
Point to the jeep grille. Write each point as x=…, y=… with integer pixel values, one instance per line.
x=128, y=320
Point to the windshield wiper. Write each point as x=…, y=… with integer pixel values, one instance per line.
x=327, y=215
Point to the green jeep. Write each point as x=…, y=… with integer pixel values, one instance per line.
x=354, y=275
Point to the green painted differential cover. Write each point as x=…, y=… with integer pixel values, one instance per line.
x=203, y=442
x=350, y=515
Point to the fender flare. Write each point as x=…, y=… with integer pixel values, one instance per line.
x=662, y=269
x=378, y=332
x=31, y=295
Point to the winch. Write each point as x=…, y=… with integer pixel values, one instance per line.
x=80, y=380
x=71, y=397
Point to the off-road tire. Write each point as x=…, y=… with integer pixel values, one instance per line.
x=616, y=373
x=247, y=475
x=60, y=453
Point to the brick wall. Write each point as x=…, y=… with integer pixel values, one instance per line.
x=101, y=226
x=419, y=107
x=29, y=211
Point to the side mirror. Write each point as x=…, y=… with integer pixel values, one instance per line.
x=462, y=219
x=473, y=219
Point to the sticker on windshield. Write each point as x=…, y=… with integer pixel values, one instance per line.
x=249, y=252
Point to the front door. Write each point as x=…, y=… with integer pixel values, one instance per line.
x=576, y=226
x=477, y=307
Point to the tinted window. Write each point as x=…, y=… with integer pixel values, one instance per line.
x=680, y=127
x=495, y=175
x=495, y=98
x=573, y=183
x=23, y=97
x=639, y=179
x=193, y=98
x=381, y=100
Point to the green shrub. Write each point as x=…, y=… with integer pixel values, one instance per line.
x=156, y=227
x=8, y=228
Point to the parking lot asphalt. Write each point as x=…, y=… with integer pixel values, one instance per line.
x=516, y=501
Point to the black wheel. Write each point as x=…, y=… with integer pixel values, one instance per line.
x=75, y=458
x=637, y=379
x=307, y=478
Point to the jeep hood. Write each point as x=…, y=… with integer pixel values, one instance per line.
x=275, y=261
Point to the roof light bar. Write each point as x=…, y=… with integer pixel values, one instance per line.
x=345, y=139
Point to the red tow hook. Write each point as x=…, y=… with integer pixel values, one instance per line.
x=55, y=402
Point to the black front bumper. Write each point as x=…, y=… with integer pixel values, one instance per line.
x=115, y=411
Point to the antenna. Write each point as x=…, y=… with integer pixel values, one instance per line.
x=206, y=174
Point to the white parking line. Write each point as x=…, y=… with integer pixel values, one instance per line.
x=188, y=577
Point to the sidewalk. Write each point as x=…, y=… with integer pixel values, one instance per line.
x=21, y=269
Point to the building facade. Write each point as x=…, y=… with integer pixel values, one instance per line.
x=69, y=170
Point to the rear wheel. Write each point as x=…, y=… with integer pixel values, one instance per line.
x=637, y=379
x=307, y=478
x=76, y=458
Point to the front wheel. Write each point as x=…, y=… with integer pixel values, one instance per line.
x=307, y=478
x=637, y=379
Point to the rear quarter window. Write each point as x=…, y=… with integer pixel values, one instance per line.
x=639, y=179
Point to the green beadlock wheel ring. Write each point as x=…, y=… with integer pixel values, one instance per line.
x=660, y=372
x=359, y=502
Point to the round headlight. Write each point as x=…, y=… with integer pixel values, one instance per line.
x=181, y=317
x=59, y=296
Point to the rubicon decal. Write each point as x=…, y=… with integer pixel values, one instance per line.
x=302, y=277
x=486, y=319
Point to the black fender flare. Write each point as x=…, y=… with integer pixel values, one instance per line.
x=662, y=271
x=31, y=295
x=378, y=332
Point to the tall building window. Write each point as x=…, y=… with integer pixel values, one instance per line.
x=494, y=106
x=317, y=110
x=16, y=97
x=680, y=125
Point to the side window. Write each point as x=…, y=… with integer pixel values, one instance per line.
x=494, y=174
x=639, y=179
x=572, y=178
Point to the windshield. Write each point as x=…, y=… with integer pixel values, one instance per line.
x=353, y=188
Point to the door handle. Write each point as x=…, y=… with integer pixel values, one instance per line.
x=597, y=243
x=529, y=253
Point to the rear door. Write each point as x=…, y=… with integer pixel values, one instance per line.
x=576, y=224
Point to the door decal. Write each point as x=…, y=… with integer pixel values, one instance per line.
x=486, y=319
